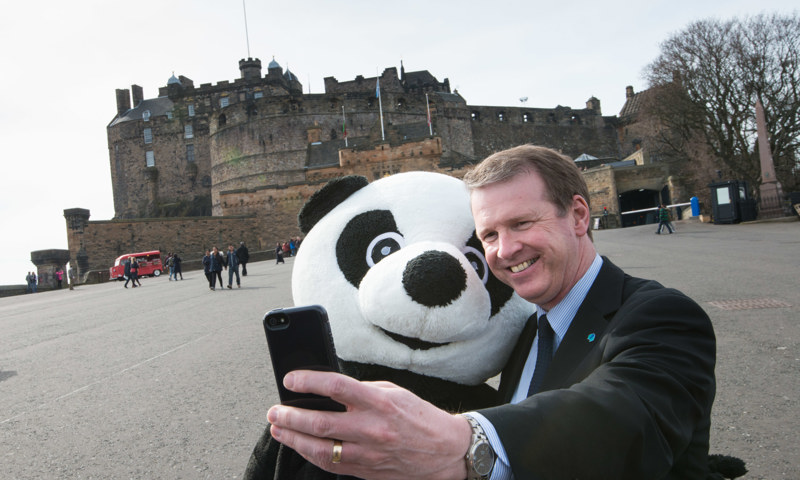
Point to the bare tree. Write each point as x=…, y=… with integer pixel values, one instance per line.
x=705, y=84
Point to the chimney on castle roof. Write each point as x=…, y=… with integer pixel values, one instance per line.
x=138, y=95
x=628, y=91
x=123, y=101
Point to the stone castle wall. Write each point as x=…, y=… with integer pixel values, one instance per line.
x=572, y=132
x=103, y=241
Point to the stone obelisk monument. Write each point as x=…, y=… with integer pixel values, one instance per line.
x=771, y=195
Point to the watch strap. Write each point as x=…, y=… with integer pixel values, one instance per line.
x=479, y=439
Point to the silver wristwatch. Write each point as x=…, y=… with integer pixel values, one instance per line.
x=480, y=456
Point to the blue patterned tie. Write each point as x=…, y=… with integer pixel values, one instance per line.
x=544, y=354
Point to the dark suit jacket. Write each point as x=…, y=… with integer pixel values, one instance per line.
x=633, y=401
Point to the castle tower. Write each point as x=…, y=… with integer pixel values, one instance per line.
x=594, y=104
x=250, y=68
x=48, y=262
x=274, y=69
x=77, y=220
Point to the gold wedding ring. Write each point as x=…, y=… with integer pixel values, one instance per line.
x=337, y=451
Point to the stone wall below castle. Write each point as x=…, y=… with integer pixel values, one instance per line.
x=104, y=241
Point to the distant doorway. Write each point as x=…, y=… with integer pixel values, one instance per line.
x=634, y=200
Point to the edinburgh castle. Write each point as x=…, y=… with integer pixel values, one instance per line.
x=235, y=161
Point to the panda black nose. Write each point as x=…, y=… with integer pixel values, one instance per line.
x=434, y=279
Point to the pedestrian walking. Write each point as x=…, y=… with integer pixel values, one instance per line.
x=207, y=268
x=170, y=261
x=279, y=254
x=215, y=268
x=176, y=261
x=232, y=264
x=244, y=257
x=663, y=219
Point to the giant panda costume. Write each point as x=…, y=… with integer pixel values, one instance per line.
x=410, y=298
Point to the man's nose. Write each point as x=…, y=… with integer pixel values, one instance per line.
x=507, y=245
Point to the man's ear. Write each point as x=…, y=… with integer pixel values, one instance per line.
x=581, y=215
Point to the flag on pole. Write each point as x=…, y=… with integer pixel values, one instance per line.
x=378, y=88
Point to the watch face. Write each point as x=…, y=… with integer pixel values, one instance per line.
x=483, y=459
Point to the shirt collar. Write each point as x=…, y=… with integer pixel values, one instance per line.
x=560, y=316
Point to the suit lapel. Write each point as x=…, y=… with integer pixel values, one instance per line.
x=516, y=362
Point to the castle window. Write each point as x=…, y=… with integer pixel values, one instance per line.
x=223, y=102
x=190, y=107
x=188, y=131
x=401, y=103
x=150, y=158
x=206, y=181
x=501, y=116
x=575, y=120
x=146, y=115
x=190, y=153
x=526, y=117
x=476, y=115
x=169, y=114
x=222, y=120
x=148, y=135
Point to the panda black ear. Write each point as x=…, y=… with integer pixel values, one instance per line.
x=327, y=198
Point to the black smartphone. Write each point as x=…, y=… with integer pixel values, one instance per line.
x=299, y=338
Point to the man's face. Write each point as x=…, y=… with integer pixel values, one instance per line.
x=528, y=245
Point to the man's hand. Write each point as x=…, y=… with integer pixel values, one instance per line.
x=386, y=433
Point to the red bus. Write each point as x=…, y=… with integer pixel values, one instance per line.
x=149, y=264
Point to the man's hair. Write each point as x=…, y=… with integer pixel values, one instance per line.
x=559, y=173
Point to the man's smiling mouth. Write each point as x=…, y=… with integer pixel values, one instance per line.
x=522, y=266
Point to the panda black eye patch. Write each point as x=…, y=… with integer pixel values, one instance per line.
x=499, y=292
x=376, y=229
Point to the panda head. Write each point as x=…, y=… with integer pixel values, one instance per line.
x=398, y=267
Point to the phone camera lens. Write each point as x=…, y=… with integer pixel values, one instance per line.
x=278, y=321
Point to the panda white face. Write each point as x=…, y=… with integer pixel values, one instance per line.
x=405, y=283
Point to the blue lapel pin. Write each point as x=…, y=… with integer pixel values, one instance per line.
x=591, y=337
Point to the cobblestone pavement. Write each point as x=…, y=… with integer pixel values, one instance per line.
x=171, y=380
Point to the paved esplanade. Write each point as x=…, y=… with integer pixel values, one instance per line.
x=172, y=381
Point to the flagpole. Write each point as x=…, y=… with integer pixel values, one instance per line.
x=428, y=106
x=380, y=103
x=344, y=127
x=246, y=34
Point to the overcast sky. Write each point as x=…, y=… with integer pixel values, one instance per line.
x=62, y=61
